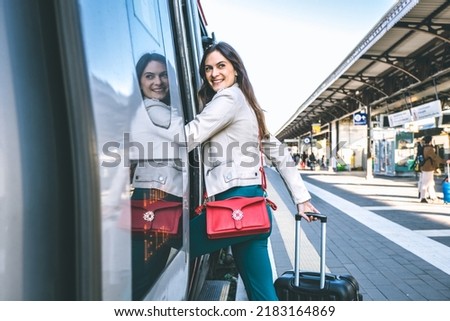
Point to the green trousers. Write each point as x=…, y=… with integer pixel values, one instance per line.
x=250, y=253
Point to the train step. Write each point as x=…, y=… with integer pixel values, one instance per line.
x=214, y=290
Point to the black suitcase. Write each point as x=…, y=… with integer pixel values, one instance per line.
x=315, y=286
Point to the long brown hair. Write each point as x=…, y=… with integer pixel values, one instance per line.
x=206, y=93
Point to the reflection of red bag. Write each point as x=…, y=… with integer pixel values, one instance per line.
x=237, y=216
x=159, y=216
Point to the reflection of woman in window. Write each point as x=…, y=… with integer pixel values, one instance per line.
x=151, y=70
x=157, y=180
x=159, y=167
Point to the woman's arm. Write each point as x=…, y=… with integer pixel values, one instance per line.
x=216, y=115
x=279, y=156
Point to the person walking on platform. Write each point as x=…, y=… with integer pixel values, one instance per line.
x=416, y=165
x=304, y=158
x=312, y=161
x=431, y=162
x=233, y=122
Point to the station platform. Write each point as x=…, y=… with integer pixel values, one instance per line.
x=397, y=248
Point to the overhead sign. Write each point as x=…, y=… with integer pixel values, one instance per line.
x=307, y=140
x=422, y=124
x=359, y=118
x=315, y=128
x=428, y=110
x=400, y=118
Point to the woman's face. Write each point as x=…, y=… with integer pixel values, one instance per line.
x=154, y=80
x=219, y=71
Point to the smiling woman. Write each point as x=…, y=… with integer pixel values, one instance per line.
x=233, y=121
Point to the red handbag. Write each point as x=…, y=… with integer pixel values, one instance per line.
x=237, y=216
x=160, y=216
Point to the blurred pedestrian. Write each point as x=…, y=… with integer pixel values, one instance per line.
x=430, y=163
x=312, y=161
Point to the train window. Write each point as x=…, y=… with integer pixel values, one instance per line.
x=157, y=170
x=157, y=176
x=147, y=13
x=136, y=97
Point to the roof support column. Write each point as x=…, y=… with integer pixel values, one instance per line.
x=369, y=171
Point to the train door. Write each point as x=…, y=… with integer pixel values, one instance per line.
x=138, y=112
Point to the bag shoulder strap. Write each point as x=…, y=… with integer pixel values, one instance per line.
x=261, y=167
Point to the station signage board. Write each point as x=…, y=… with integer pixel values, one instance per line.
x=400, y=118
x=428, y=110
x=359, y=118
x=315, y=128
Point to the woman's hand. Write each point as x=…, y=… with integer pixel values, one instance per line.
x=306, y=207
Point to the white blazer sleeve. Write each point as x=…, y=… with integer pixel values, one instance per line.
x=279, y=156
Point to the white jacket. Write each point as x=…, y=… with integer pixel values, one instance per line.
x=227, y=130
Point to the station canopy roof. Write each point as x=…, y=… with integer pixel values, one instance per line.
x=404, y=61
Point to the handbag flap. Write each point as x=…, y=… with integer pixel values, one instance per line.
x=235, y=203
x=153, y=206
x=160, y=216
x=236, y=213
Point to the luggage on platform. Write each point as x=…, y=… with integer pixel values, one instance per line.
x=446, y=187
x=299, y=285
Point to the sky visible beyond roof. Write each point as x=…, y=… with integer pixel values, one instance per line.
x=290, y=47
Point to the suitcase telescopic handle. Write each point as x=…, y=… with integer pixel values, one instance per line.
x=323, y=221
x=321, y=217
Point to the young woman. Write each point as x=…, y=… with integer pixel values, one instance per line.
x=231, y=128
